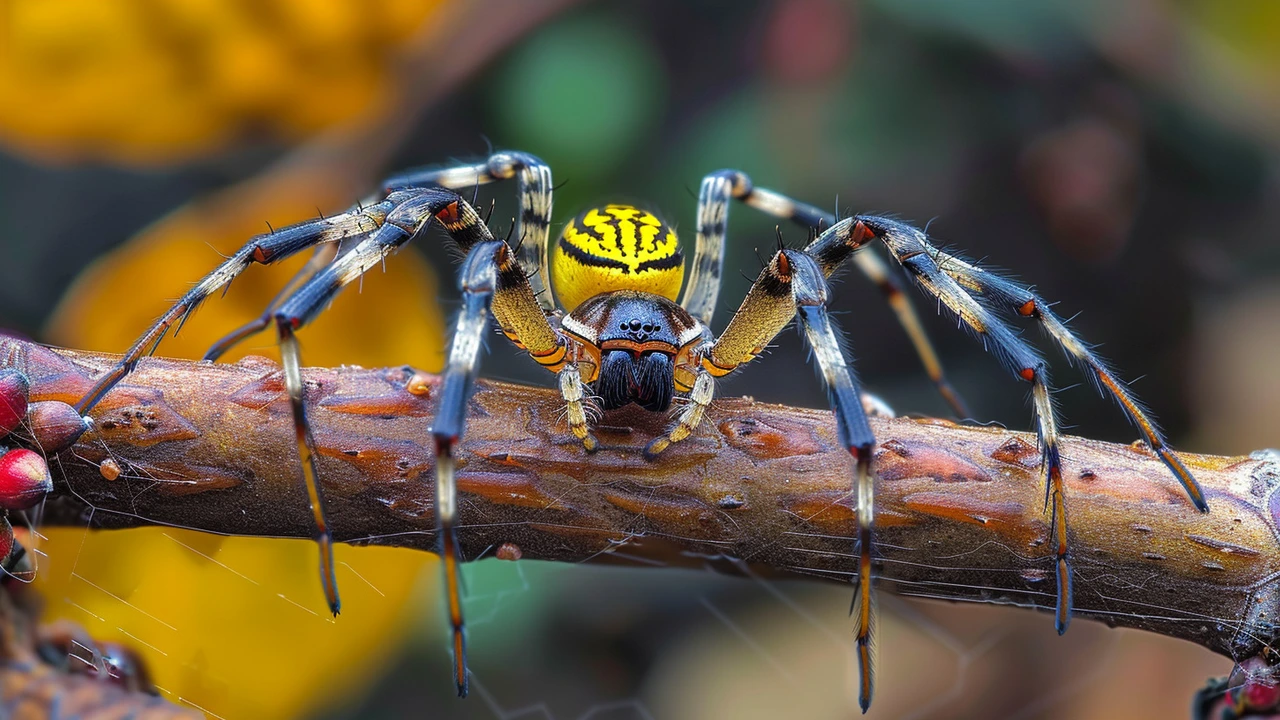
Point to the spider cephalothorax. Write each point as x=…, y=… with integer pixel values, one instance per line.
x=635, y=347
x=625, y=329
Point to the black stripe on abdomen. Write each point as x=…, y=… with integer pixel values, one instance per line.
x=588, y=259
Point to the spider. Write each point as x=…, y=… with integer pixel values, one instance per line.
x=623, y=332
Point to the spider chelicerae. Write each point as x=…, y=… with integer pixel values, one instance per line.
x=619, y=330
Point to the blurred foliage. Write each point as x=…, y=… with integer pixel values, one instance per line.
x=1247, y=30
x=588, y=90
x=235, y=626
x=161, y=81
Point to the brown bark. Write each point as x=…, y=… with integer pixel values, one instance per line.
x=960, y=510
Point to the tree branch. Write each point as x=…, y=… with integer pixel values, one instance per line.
x=960, y=510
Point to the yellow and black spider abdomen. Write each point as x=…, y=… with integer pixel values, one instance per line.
x=616, y=247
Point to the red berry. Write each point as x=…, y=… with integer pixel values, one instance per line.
x=14, y=390
x=24, y=479
x=1258, y=695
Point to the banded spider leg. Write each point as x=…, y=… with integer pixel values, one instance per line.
x=492, y=279
x=722, y=187
x=326, y=234
x=793, y=285
x=968, y=291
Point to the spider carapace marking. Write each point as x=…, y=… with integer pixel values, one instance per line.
x=624, y=332
x=616, y=247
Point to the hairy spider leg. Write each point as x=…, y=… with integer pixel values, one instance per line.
x=493, y=280
x=950, y=280
x=758, y=320
x=478, y=281
x=810, y=291
x=534, y=178
x=535, y=217
x=533, y=225
x=912, y=249
x=574, y=391
x=719, y=189
x=490, y=277
x=1015, y=299
x=323, y=255
x=262, y=249
x=413, y=209
x=291, y=358
x=700, y=397
x=793, y=285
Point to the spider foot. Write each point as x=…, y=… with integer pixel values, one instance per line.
x=1062, y=617
x=656, y=446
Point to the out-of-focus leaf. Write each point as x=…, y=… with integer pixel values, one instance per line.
x=158, y=81
x=586, y=90
x=235, y=626
x=1248, y=30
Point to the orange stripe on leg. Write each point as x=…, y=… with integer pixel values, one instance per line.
x=453, y=592
x=716, y=371
x=1153, y=439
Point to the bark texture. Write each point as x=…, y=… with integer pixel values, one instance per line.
x=960, y=510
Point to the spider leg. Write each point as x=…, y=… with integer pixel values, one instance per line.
x=323, y=255
x=492, y=280
x=521, y=301
x=478, y=281
x=1021, y=301
x=791, y=286
x=533, y=225
x=574, y=392
x=291, y=358
x=719, y=189
x=263, y=249
x=911, y=248
x=855, y=434
x=534, y=178
x=704, y=387
x=412, y=211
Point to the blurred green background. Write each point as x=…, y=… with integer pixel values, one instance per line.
x=1121, y=157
